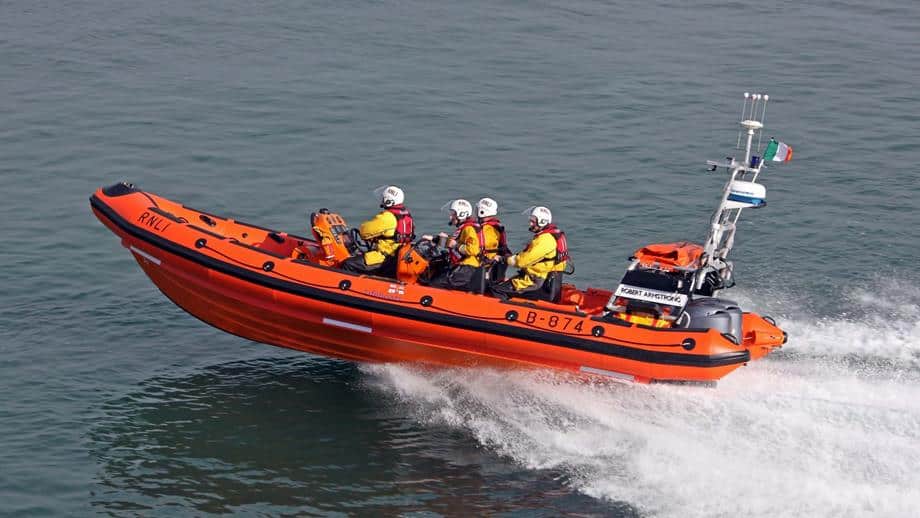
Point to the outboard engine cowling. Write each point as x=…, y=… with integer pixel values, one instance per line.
x=720, y=314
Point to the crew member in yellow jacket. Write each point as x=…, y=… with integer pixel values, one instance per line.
x=494, y=236
x=464, y=248
x=546, y=253
x=385, y=233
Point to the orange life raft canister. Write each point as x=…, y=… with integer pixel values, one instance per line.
x=670, y=256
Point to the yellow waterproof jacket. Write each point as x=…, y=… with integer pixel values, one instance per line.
x=493, y=241
x=380, y=232
x=536, y=261
x=468, y=246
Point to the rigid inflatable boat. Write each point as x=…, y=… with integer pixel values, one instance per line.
x=663, y=322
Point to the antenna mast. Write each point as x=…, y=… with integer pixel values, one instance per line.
x=740, y=191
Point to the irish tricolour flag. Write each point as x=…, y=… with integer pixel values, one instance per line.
x=777, y=151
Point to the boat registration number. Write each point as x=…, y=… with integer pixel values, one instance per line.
x=562, y=323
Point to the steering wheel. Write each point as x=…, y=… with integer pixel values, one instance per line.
x=356, y=243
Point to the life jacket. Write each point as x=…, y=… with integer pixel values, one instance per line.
x=562, y=247
x=455, y=256
x=405, y=225
x=502, y=237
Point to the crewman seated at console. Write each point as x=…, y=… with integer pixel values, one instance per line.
x=465, y=249
x=384, y=233
x=541, y=264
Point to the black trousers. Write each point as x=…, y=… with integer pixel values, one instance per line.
x=506, y=290
x=457, y=278
x=356, y=264
x=497, y=272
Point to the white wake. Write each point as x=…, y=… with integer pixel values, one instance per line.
x=830, y=427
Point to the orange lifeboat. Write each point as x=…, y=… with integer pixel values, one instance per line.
x=284, y=290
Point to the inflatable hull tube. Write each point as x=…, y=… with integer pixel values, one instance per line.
x=273, y=287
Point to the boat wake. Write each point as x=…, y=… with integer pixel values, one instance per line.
x=828, y=427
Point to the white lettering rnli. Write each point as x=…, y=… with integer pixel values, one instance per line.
x=649, y=295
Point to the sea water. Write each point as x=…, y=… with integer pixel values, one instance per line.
x=116, y=402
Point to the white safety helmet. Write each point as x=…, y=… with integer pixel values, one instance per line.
x=539, y=217
x=461, y=209
x=487, y=207
x=389, y=195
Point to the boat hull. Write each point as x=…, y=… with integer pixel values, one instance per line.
x=268, y=298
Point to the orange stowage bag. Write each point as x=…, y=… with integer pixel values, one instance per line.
x=595, y=300
x=668, y=256
x=278, y=243
x=410, y=264
x=591, y=301
x=571, y=295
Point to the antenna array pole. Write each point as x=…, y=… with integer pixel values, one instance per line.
x=743, y=111
x=723, y=224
